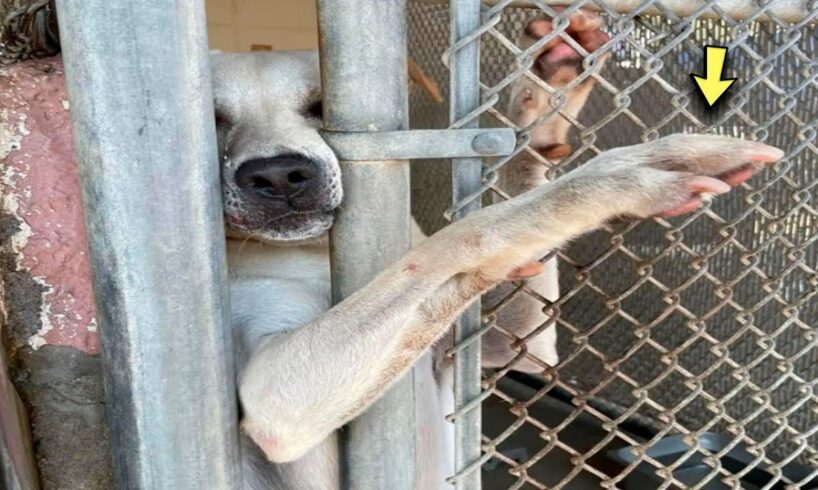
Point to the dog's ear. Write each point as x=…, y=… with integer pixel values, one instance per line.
x=417, y=75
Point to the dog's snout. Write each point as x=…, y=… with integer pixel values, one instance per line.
x=292, y=179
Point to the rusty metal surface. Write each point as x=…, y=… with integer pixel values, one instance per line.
x=679, y=327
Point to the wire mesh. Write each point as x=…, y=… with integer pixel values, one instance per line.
x=694, y=333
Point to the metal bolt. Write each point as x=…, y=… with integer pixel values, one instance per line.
x=486, y=143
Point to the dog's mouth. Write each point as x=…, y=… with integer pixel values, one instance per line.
x=291, y=226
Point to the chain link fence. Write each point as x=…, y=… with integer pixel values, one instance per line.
x=688, y=349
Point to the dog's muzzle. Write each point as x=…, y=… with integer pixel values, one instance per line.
x=284, y=183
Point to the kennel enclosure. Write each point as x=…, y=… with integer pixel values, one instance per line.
x=687, y=345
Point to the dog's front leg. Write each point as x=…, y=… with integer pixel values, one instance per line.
x=301, y=385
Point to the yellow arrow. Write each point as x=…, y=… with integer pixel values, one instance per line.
x=712, y=84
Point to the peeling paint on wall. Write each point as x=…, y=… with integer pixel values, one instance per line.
x=40, y=188
x=46, y=302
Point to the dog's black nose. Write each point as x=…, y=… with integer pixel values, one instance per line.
x=291, y=179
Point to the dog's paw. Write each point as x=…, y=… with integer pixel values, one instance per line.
x=666, y=177
x=558, y=62
x=673, y=175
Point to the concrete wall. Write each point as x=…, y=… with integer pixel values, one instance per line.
x=47, y=311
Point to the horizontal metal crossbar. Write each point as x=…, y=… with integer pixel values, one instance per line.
x=421, y=143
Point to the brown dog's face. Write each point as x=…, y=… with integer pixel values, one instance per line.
x=280, y=181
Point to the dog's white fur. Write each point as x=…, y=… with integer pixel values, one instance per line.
x=305, y=367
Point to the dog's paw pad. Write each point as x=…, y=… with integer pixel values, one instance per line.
x=558, y=56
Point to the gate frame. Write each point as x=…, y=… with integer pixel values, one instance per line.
x=138, y=78
x=364, y=89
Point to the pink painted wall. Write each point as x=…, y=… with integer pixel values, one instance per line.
x=40, y=186
x=47, y=308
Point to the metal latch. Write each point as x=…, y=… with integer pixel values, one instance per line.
x=421, y=143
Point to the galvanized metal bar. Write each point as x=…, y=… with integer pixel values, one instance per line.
x=421, y=143
x=464, y=87
x=364, y=75
x=139, y=83
x=783, y=10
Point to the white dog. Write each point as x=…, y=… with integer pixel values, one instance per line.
x=305, y=367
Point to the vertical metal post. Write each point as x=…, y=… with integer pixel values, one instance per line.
x=139, y=83
x=364, y=72
x=466, y=179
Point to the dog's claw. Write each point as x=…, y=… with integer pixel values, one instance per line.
x=736, y=177
x=762, y=153
x=759, y=153
x=699, y=186
x=556, y=151
x=690, y=205
x=708, y=185
x=529, y=269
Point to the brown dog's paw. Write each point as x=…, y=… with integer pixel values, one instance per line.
x=558, y=62
x=559, y=52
